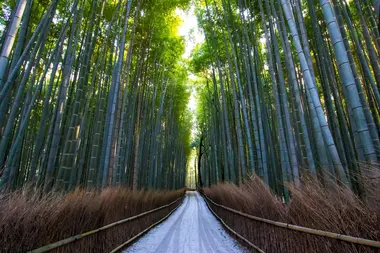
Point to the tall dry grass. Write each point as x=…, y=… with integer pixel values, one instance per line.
x=29, y=221
x=335, y=209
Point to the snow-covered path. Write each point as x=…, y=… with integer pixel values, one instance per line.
x=191, y=228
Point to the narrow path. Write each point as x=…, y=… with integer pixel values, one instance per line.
x=191, y=228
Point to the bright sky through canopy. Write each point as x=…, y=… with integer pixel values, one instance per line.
x=190, y=31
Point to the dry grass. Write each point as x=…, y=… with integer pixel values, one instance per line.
x=337, y=210
x=29, y=221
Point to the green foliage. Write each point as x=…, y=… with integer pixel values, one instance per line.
x=5, y=13
x=201, y=58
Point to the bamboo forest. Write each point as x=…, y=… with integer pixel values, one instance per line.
x=123, y=122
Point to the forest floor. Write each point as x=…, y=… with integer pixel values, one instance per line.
x=191, y=228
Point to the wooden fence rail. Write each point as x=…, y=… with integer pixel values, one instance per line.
x=82, y=235
x=307, y=230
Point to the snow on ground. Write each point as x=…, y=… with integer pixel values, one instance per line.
x=191, y=228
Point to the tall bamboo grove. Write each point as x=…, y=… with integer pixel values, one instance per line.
x=93, y=93
x=289, y=89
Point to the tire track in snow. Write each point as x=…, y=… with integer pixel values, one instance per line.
x=207, y=240
x=191, y=228
x=168, y=236
x=184, y=223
